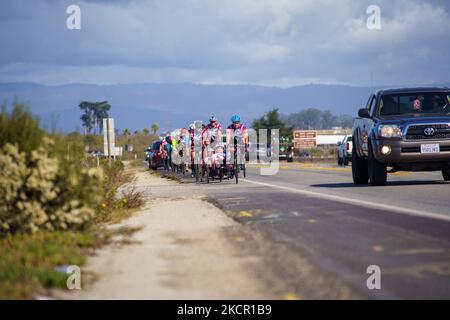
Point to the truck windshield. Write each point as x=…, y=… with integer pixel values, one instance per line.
x=413, y=103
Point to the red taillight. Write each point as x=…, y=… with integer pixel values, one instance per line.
x=348, y=146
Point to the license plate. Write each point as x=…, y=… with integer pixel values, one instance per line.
x=429, y=148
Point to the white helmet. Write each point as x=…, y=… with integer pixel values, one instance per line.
x=197, y=124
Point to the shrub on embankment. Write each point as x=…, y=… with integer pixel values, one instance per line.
x=52, y=197
x=40, y=188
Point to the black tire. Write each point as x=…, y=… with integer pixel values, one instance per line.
x=446, y=174
x=339, y=161
x=377, y=170
x=359, y=169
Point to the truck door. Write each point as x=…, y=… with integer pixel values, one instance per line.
x=362, y=129
x=367, y=125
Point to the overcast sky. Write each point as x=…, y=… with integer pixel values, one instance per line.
x=269, y=42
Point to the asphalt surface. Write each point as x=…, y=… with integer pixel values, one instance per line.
x=318, y=214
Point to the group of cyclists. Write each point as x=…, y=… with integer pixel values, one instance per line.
x=205, y=151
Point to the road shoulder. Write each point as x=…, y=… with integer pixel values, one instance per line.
x=182, y=251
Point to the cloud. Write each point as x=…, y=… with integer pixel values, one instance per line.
x=271, y=42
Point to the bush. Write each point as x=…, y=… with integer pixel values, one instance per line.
x=115, y=205
x=43, y=182
x=38, y=196
x=20, y=128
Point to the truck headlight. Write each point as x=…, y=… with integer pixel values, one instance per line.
x=389, y=131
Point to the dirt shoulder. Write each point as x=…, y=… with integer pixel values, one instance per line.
x=186, y=249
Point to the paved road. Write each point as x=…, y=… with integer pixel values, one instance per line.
x=315, y=211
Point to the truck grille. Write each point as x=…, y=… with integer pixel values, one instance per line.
x=417, y=149
x=438, y=131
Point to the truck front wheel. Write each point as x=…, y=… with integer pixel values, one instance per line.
x=359, y=169
x=446, y=174
x=377, y=170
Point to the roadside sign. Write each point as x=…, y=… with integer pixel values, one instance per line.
x=305, y=144
x=305, y=139
x=108, y=137
x=305, y=134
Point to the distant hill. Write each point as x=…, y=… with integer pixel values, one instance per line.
x=136, y=106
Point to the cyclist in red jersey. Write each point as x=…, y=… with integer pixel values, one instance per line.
x=238, y=129
x=212, y=133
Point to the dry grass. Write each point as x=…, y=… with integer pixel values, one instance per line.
x=121, y=199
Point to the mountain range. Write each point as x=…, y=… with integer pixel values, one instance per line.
x=137, y=106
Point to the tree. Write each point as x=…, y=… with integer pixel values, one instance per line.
x=155, y=128
x=312, y=118
x=272, y=120
x=146, y=131
x=94, y=113
x=137, y=132
x=126, y=132
x=328, y=120
x=346, y=121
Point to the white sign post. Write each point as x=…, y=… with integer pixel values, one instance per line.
x=108, y=138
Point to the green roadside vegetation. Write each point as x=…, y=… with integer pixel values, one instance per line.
x=54, y=203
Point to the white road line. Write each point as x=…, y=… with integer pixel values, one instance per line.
x=363, y=203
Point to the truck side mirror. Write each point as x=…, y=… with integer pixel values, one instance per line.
x=363, y=113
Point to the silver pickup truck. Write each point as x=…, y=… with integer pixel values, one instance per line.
x=403, y=130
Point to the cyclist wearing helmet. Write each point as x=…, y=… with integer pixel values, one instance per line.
x=191, y=144
x=237, y=129
x=184, y=136
x=167, y=147
x=196, y=139
x=212, y=132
